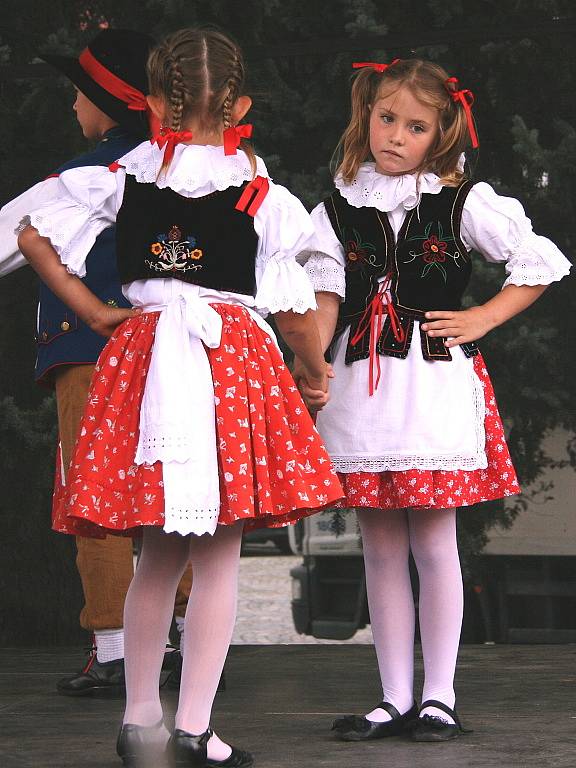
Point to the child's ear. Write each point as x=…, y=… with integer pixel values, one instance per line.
x=158, y=107
x=240, y=109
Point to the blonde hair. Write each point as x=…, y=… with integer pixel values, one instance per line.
x=199, y=73
x=427, y=82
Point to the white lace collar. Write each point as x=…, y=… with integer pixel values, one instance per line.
x=195, y=170
x=386, y=193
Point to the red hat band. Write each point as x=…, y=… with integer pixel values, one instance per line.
x=115, y=86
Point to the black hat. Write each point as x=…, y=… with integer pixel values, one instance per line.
x=111, y=72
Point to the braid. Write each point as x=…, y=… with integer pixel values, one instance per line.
x=233, y=86
x=227, y=106
x=177, y=92
x=199, y=73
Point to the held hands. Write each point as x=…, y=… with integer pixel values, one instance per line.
x=462, y=326
x=314, y=389
x=106, y=319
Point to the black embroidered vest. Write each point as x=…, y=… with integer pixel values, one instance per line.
x=200, y=240
x=428, y=266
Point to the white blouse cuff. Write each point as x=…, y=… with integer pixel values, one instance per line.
x=284, y=287
x=85, y=202
x=70, y=229
x=536, y=261
x=325, y=273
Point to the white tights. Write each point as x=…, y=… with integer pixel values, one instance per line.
x=209, y=623
x=388, y=536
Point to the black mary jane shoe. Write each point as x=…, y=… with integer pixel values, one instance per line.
x=433, y=729
x=238, y=759
x=137, y=748
x=188, y=750
x=356, y=728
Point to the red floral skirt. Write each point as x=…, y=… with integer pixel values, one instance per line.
x=440, y=489
x=273, y=466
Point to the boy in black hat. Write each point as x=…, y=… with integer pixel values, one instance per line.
x=111, y=83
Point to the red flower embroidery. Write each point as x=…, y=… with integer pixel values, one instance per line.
x=355, y=254
x=358, y=253
x=434, y=249
x=175, y=233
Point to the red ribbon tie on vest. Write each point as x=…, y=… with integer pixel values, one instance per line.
x=253, y=196
x=373, y=319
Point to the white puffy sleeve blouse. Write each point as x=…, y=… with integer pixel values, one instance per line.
x=495, y=226
x=87, y=201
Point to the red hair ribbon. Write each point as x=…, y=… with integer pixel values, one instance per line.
x=233, y=135
x=115, y=86
x=466, y=98
x=169, y=139
x=253, y=196
x=374, y=64
x=373, y=319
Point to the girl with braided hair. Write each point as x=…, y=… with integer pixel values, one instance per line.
x=194, y=428
x=412, y=426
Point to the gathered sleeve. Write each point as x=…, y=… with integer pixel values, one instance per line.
x=12, y=214
x=85, y=203
x=498, y=228
x=324, y=260
x=284, y=229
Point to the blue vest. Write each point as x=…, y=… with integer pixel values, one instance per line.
x=62, y=338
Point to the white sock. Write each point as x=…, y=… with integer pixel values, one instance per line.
x=180, y=624
x=435, y=550
x=386, y=551
x=387, y=536
x=147, y=615
x=210, y=620
x=209, y=623
x=109, y=644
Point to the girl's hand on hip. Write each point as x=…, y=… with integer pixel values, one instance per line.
x=108, y=318
x=461, y=326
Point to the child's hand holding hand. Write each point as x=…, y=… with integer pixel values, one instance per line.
x=462, y=326
x=314, y=389
x=107, y=319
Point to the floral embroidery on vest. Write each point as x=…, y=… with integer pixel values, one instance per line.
x=358, y=253
x=174, y=252
x=435, y=251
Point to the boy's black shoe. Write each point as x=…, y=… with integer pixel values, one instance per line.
x=95, y=679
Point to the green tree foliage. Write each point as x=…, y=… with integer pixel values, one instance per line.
x=37, y=577
x=517, y=57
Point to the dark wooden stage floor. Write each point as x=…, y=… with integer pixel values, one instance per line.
x=520, y=701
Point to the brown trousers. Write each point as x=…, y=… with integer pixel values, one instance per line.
x=106, y=566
